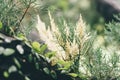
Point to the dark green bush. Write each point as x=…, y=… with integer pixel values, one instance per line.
x=18, y=61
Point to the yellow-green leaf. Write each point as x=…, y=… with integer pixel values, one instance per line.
x=5, y=74
x=50, y=54
x=36, y=46
x=73, y=74
x=1, y=25
x=43, y=48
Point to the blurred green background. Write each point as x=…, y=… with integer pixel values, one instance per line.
x=70, y=10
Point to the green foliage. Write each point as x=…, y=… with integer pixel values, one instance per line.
x=50, y=54
x=39, y=48
x=12, y=13
x=101, y=66
x=6, y=74
x=36, y=46
x=46, y=70
x=103, y=63
x=65, y=65
x=33, y=61
x=73, y=74
x=1, y=25
x=89, y=63
x=113, y=32
x=8, y=52
x=17, y=66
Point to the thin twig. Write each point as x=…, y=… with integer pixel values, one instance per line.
x=24, y=14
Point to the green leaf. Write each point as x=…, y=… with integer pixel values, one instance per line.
x=61, y=68
x=36, y=46
x=5, y=74
x=21, y=36
x=1, y=50
x=12, y=69
x=43, y=48
x=27, y=78
x=46, y=70
x=53, y=74
x=65, y=64
x=50, y=54
x=61, y=61
x=8, y=51
x=30, y=58
x=1, y=25
x=73, y=74
x=37, y=65
x=17, y=63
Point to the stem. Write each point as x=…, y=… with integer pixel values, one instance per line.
x=24, y=14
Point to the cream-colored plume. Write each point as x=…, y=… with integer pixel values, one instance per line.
x=49, y=37
x=55, y=42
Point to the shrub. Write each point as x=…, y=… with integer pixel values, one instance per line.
x=12, y=15
x=19, y=61
x=76, y=53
